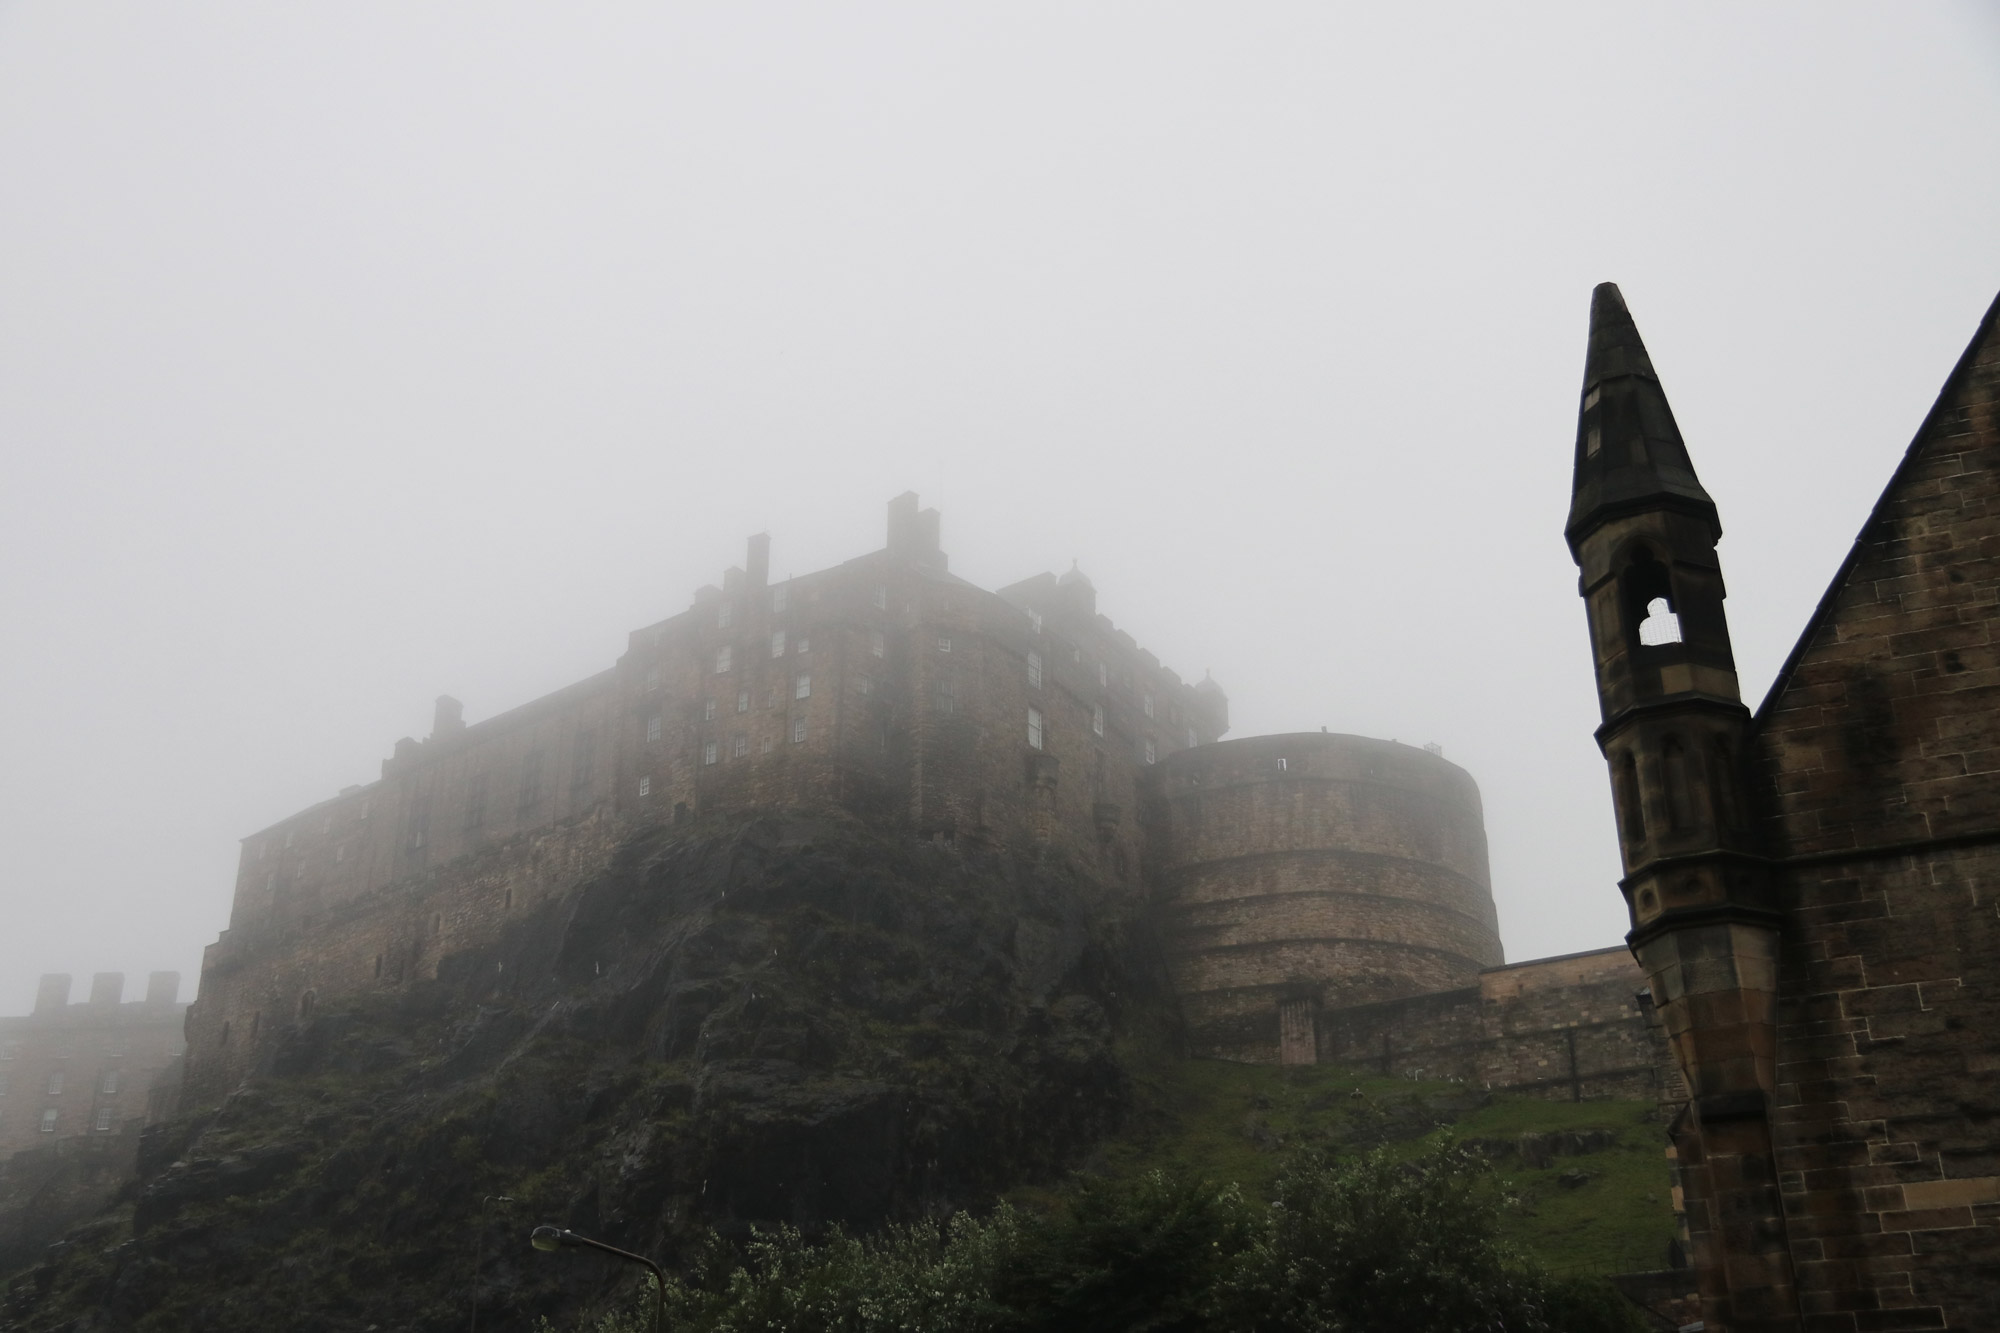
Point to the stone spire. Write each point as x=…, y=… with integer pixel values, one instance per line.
x=1629, y=453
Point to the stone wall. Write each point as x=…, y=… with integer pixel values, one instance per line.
x=1573, y=1028
x=1880, y=762
x=86, y=1069
x=1316, y=869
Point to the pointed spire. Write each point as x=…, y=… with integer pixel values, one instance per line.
x=1629, y=454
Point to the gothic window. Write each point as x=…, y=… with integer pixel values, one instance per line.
x=1674, y=766
x=1723, y=761
x=1625, y=787
x=1647, y=593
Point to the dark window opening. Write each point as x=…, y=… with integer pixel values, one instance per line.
x=1625, y=781
x=1673, y=760
x=1648, y=601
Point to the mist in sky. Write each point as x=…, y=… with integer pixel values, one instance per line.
x=353, y=354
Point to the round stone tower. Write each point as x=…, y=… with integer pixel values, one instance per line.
x=1313, y=871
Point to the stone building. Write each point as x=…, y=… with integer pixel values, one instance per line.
x=1299, y=876
x=1812, y=886
x=97, y=1068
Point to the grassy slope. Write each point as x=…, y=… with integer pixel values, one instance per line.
x=1226, y=1121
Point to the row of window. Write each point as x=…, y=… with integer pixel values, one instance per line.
x=51, y=1117
x=107, y=1084
x=1036, y=731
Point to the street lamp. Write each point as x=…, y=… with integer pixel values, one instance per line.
x=556, y=1238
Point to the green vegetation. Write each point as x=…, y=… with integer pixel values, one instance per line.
x=1213, y=1120
x=1384, y=1242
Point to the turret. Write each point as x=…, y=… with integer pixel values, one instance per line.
x=1643, y=533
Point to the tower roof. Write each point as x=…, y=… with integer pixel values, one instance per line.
x=1629, y=454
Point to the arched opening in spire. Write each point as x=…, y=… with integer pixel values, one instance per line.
x=1647, y=593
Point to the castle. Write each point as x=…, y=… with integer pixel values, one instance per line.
x=1811, y=886
x=1322, y=896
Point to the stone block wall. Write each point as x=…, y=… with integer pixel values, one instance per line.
x=1573, y=1028
x=1332, y=868
x=86, y=1069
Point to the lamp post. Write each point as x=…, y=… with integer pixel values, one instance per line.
x=557, y=1238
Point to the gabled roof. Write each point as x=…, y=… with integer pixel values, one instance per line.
x=1824, y=610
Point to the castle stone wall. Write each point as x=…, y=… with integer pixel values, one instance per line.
x=1316, y=870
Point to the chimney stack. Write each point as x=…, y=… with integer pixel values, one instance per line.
x=449, y=719
x=163, y=988
x=53, y=994
x=107, y=990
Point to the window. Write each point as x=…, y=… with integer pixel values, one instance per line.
x=778, y=597
x=802, y=688
x=881, y=599
x=1283, y=764
x=110, y=1084
x=475, y=801
x=1097, y=718
x=805, y=645
x=708, y=710
x=1152, y=751
x=798, y=730
x=864, y=684
x=722, y=657
x=531, y=780
x=875, y=642
x=652, y=679
x=646, y=786
x=55, y=1083
x=724, y=614
x=1103, y=676
x=739, y=746
x=1034, y=671
x=1146, y=702
x=653, y=727
x=1035, y=621
x=1035, y=728
x=708, y=752
x=944, y=643
x=742, y=701
x=947, y=694
x=777, y=643
x=103, y=1119
x=49, y=1121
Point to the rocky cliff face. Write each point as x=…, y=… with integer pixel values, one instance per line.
x=786, y=1019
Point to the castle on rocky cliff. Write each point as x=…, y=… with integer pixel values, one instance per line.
x=1312, y=887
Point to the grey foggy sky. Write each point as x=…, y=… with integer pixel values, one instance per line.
x=351, y=354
